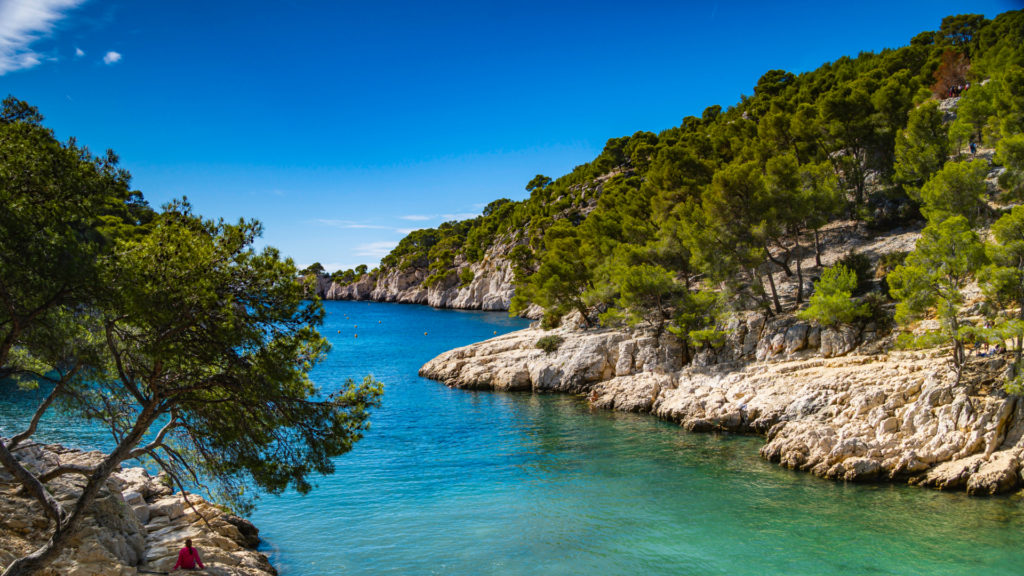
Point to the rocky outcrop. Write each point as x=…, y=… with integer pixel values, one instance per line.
x=824, y=404
x=490, y=289
x=136, y=524
x=484, y=285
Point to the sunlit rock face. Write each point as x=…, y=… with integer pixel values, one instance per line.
x=491, y=286
x=825, y=401
x=136, y=523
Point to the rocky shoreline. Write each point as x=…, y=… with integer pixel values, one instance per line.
x=136, y=525
x=829, y=402
x=491, y=287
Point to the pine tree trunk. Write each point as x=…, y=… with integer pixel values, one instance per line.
x=1019, y=342
x=756, y=277
x=958, y=351
x=799, y=271
x=66, y=528
x=817, y=249
x=775, y=294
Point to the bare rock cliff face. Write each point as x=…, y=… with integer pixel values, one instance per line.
x=490, y=289
x=863, y=416
x=135, y=524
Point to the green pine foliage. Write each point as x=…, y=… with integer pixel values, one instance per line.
x=1010, y=153
x=832, y=302
x=1002, y=281
x=921, y=148
x=724, y=202
x=957, y=189
x=549, y=343
x=945, y=260
x=189, y=345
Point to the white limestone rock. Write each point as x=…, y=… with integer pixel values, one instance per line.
x=114, y=538
x=894, y=416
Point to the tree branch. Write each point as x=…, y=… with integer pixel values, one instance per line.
x=184, y=464
x=57, y=388
x=67, y=469
x=67, y=522
x=158, y=441
x=181, y=487
x=129, y=383
x=32, y=485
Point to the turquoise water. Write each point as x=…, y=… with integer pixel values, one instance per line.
x=456, y=482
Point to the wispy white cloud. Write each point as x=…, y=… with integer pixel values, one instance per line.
x=79, y=52
x=111, y=58
x=22, y=22
x=328, y=266
x=444, y=217
x=350, y=225
x=459, y=216
x=334, y=223
x=375, y=249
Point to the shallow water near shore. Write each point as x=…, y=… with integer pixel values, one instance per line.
x=456, y=482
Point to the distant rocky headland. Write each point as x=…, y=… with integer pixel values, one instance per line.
x=491, y=287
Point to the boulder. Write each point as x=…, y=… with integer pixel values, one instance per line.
x=1000, y=474
x=796, y=337
x=249, y=533
x=838, y=340
x=170, y=506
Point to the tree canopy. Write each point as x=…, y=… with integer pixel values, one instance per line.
x=169, y=329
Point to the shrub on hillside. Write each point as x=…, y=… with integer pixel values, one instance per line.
x=886, y=264
x=549, y=343
x=832, y=302
x=860, y=265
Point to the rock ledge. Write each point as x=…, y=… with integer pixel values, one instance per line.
x=136, y=525
x=856, y=417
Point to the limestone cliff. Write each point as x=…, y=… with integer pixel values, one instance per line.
x=490, y=289
x=484, y=281
x=827, y=401
x=135, y=525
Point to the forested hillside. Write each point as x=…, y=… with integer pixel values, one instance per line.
x=679, y=229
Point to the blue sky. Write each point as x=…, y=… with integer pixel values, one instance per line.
x=343, y=125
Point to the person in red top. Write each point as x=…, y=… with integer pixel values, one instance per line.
x=188, y=557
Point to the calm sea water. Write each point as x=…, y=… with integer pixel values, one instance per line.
x=456, y=482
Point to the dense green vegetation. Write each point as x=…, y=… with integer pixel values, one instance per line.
x=677, y=229
x=191, y=347
x=832, y=301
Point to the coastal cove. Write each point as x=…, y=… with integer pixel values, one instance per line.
x=459, y=482
x=755, y=311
